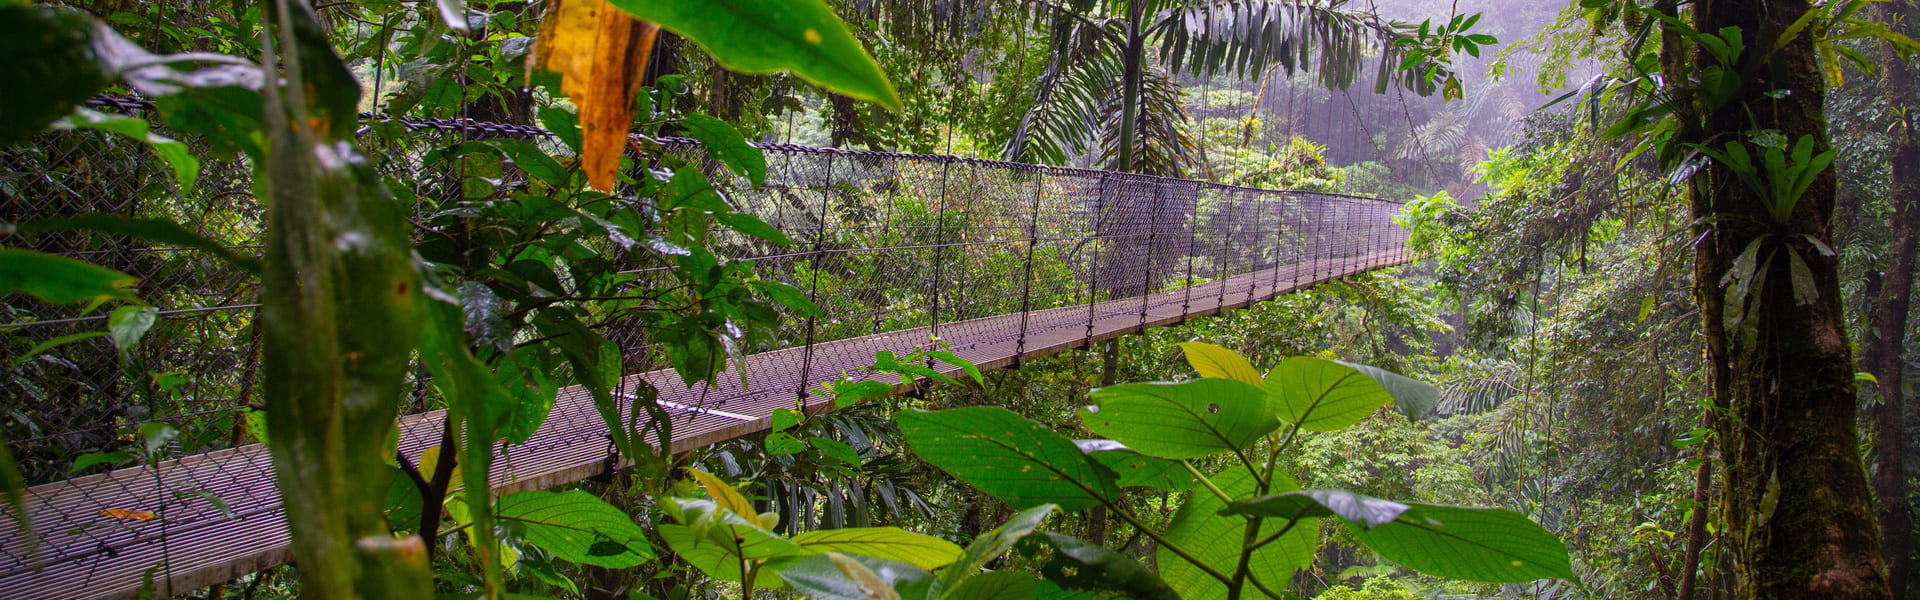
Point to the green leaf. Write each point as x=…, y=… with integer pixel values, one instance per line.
x=154, y=435
x=88, y=461
x=1475, y=544
x=1139, y=470
x=854, y=577
x=1181, y=420
x=715, y=540
x=127, y=324
x=788, y=296
x=1322, y=395
x=186, y=168
x=1079, y=564
x=753, y=226
x=847, y=394
x=1009, y=457
x=1416, y=398
x=50, y=52
x=1217, y=541
x=835, y=449
x=61, y=280
x=576, y=526
x=55, y=343
x=784, y=418
x=161, y=231
x=763, y=36
x=923, y=551
x=1213, y=361
x=991, y=545
x=996, y=585
x=523, y=154
x=1364, y=510
x=723, y=142
x=780, y=443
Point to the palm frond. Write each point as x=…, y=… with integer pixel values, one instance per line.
x=1084, y=74
x=1247, y=36
x=1162, y=145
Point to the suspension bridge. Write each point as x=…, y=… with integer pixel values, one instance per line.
x=1005, y=262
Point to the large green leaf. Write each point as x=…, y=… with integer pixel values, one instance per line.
x=1139, y=470
x=991, y=545
x=1181, y=420
x=1364, y=510
x=1079, y=564
x=1416, y=398
x=923, y=551
x=855, y=577
x=1322, y=395
x=1217, y=540
x=724, y=142
x=996, y=585
x=763, y=36
x=60, y=280
x=1009, y=457
x=1475, y=544
x=577, y=526
x=715, y=541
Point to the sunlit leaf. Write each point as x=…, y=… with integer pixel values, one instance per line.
x=763, y=36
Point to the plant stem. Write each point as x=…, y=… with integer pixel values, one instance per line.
x=1207, y=482
x=1141, y=527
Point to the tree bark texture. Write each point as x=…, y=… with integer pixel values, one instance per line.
x=1797, y=508
x=1887, y=347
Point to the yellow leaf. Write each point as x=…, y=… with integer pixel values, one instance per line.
x=725, y=496
x=127, y=515
x=429, y=461
x=1221, y=363
x=601, y=55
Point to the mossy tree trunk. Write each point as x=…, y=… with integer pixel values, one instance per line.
x=1797, y=509
x=1887, y=347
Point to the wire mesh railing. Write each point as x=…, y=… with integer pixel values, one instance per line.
x=1003, y=261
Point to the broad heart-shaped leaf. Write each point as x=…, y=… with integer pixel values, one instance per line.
x=1181, y=420
x=1367, y=511
x=991, y=545
x=1079, y=564
x=1216, y=540
x=1213, y=361
x=576, y=526
x=1417, y=398
x=60, y=280
x=723, y=142
x=923, y=551
x=1322, y=395
x=831, y=577
x=1009, y=457
x=1476, y=544
x=715, y=540
x=763, y=36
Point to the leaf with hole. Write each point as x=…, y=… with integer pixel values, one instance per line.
x=1181, y=420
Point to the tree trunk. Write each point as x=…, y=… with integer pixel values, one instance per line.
x=1887, y=346
x=1797, y=508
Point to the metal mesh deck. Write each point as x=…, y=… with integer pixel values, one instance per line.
x=1004, y=261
